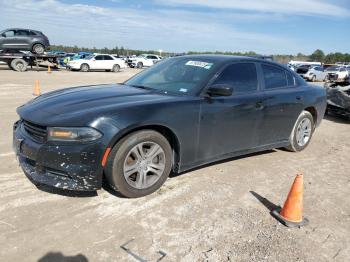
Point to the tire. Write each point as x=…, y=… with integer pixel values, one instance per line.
x=38, y=49
x=84, y=68
x=128, y=185
x=297, y=143
x=139, y=65
x=313, y=79
x=19, y=65
x=116, y=68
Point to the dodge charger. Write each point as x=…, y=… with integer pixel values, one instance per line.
x=181, y=113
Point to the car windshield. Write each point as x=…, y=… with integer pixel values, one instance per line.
x=175, y=75
x=89, y=57
x=333, y=68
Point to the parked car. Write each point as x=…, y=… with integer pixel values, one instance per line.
x=302, y=70
x=338, y=100
x=337, y=74
x=144, y=60
x=315, y=73
x=181, y=113
x=24, y=40
x=97, y=62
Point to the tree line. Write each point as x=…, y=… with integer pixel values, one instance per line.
x=316, y=56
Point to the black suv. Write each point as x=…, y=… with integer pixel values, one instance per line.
x=24, y=40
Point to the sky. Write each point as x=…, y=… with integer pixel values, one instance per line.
x=264, y=26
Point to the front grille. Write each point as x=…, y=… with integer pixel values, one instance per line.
x=37, y=132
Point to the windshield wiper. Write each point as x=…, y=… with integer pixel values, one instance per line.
x=142, y=87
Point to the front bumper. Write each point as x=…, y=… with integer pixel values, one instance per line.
x=71, y=167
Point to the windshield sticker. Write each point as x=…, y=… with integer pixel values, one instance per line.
x=200, y=64
x=184, y=90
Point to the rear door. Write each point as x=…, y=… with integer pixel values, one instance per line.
x=229, y=124
x=97, y=62
x=23, y=39
x=283, y=102
x=108, y=62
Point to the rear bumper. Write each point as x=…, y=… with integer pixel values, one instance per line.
x=72, y=167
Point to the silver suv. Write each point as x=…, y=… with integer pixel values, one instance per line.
x=24, y=40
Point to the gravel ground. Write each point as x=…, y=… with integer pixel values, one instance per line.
x=217, y=213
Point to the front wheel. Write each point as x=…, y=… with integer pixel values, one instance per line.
x=84, y=68
x=302, y=132
x=139, y=163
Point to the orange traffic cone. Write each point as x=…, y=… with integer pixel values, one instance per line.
x=291, y=214
x=49, y=69
x=36, y=90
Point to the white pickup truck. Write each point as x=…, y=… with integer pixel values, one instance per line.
x=143, y=60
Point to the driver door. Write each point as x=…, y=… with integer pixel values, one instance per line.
x=230, y=124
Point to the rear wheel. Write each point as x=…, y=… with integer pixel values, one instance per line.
x=38, y=49
x=116, y=68
x=302, y=132
x=139, y=163
x=84, y=68
x=19, y=65
x=139, y=65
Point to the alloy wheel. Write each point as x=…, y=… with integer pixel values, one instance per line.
x=144, y=165
x=303, y=133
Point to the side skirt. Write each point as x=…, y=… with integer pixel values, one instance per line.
x=183, y=168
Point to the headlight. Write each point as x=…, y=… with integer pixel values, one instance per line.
x=75, y=134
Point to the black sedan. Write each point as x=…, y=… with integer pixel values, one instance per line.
x=179, y=114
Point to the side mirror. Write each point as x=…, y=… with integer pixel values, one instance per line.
x=220, y=90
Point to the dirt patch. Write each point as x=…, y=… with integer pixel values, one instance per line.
x=210, y=214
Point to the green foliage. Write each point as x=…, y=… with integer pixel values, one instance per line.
x=317, y=56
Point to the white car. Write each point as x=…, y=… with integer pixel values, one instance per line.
x=144, y=60
x=97, y=62
x=337, y=74
x=315, y=73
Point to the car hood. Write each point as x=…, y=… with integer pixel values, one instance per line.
x=72, y=105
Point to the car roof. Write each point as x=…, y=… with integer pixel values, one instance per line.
x=229, y=58
x=26, y=29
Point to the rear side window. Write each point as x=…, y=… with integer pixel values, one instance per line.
x=22, y=33
x=10, y=33
x=107, y=57
x=274, y=77
x=99, y=57
x=290, y=79
x=241, y=76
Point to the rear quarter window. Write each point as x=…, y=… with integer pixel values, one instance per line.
x=275, y=77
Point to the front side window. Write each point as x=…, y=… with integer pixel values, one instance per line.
x=242, y=77
x=274, y=77
x=99, y=57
